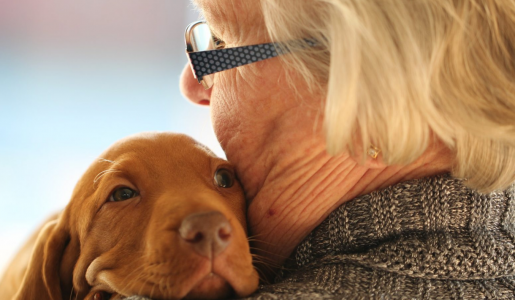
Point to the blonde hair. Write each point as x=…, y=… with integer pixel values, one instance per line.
x=398, y=72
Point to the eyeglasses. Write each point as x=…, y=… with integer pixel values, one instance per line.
x=208, y=55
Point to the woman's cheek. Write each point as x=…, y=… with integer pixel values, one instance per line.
x=248, y=99
x=230, y=95
x=224, y=112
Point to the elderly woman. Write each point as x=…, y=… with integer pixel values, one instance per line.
x=377, y=149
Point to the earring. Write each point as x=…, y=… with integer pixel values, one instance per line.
x=373, y=152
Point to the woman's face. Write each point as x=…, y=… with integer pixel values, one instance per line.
x=254, y=110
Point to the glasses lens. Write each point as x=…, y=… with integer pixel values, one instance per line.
x=202, y=40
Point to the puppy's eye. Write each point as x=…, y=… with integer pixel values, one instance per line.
x=224, y=178
x=123, y=193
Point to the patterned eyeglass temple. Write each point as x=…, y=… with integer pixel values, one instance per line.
x=212, y=61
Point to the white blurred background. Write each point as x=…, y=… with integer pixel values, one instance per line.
x=75, y=76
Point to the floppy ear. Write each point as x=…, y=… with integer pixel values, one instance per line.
x=42, y=279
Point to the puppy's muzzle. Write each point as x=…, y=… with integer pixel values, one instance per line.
x=209, y=233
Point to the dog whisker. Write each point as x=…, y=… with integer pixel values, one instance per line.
x=127, y=277
x=168, y=288
x=159, y=288
x=262, y=276
x=142, y=285
x=259, y=250
x=162, y=282
x=106, y=160
x=262, y=264
x=261, y=258
x=266, y=264
x=71, y=294
x=152, y=289
x=254, y=236
x=139, y=269
x=101, y=174
x=255, y=255
x=260, y=241
x=264, y=267
x=163, y=287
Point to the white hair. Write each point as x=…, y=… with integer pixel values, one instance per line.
x=398, y=73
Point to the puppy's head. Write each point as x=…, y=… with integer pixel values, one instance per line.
x=157, y=215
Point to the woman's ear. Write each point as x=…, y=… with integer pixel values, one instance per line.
x=42, y=280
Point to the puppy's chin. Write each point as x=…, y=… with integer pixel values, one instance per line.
x=210, y=287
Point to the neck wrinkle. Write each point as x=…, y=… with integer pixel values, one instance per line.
x=299, y=192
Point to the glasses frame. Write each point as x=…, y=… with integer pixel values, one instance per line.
x=204, y=63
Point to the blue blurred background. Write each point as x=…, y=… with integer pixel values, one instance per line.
x=75, y=76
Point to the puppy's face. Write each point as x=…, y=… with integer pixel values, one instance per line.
x=159, y=215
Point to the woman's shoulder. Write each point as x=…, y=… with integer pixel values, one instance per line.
x=426, y=238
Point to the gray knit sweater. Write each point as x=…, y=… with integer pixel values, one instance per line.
x=430, y=238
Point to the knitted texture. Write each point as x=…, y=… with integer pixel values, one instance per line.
x=430, y=238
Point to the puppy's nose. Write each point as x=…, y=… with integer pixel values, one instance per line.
x=208, y=232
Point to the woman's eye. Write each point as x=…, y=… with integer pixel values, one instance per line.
x=123, y=193
x=218, y=43
x=224, y=178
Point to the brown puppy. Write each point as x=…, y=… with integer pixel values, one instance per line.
x=157, y=215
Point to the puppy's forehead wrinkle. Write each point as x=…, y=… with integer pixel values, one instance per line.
x=205, y=148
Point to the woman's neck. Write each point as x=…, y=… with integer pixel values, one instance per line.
x=299, y=189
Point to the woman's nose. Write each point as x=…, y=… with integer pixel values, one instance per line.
x=192, y=90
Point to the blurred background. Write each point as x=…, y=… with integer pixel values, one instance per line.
x=75, y=76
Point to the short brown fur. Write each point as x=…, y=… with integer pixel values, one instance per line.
x=133, y=246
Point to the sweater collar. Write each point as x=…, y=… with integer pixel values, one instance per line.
x=433, y=227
